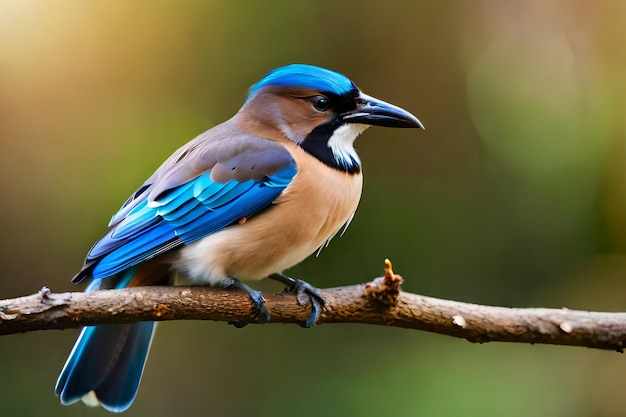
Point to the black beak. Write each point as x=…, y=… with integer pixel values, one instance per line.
x=374, y=112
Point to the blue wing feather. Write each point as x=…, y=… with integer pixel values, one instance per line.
x=183, y=215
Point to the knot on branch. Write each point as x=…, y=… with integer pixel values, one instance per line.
x=385, y=290
x=160, y=310
x=44, y=293
x=33, y=304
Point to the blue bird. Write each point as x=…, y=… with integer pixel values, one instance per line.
x=244, y=200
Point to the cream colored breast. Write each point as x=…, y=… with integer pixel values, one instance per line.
x=314, y=207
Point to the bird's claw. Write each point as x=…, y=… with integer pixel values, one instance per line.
x=305, y=293
x=263, y=316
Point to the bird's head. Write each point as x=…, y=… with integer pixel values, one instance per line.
x=319, y=109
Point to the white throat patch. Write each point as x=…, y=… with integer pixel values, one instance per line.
x=341, y=143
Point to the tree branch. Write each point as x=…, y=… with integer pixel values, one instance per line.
x=379, y=302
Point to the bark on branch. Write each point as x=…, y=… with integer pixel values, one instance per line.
x=379, y=302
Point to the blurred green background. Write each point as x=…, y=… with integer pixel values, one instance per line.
x=514, y=195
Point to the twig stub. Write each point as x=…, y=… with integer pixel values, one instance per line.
x=386, y=289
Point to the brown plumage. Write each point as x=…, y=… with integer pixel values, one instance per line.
x=312, y=209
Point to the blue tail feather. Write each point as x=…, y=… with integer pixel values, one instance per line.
x=117, y=392
x=107, y=359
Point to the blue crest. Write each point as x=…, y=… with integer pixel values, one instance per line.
x=307, y=76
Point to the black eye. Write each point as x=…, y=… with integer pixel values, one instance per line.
x=321, y=103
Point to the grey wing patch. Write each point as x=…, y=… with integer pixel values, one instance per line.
x=228, y=153
x=256, y=163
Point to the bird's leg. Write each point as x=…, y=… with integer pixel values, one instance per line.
x=305, y=293
x=257, y=299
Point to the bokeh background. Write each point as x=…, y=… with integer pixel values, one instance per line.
x=514, y=195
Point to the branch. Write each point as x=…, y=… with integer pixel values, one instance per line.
x=379, y=302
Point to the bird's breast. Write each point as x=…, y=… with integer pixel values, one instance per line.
x=310, y=211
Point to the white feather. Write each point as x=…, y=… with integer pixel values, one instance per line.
x=341, y=142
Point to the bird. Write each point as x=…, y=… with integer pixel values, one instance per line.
x=243, y=201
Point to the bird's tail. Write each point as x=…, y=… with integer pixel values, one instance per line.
x=107, y=361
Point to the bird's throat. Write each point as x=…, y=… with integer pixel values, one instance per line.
x=333, y=145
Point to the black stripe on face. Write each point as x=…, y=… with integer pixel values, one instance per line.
x=343, y=103
x=316, y=144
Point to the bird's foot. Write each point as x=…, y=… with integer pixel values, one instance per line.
x=263, y=316
x=305, y=293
